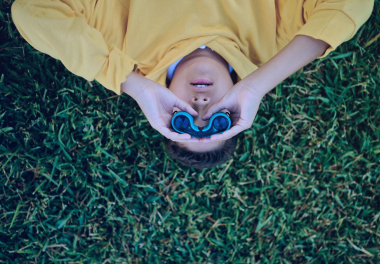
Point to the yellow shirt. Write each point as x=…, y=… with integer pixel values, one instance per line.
x=107, y=39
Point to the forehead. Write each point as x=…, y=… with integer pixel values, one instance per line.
x=201, y=146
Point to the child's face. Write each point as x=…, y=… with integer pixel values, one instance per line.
x=201, y=64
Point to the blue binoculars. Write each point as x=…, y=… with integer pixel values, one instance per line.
x=183, y=123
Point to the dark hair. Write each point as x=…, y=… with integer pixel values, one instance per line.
x=201, y=160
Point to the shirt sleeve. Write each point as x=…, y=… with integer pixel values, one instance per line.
x=60, y=28
x=334, y=21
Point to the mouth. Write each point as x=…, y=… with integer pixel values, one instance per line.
x=201, y=85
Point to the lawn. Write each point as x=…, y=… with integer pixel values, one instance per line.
x=85, y=179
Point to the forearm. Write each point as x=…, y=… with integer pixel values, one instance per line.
x=298, y=53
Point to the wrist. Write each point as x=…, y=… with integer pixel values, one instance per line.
x=256, y=83
x=133, y=84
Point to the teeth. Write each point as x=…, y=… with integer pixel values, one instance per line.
x=200, y=85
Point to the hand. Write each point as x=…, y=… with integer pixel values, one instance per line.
x=243, y=101
x=157, y=102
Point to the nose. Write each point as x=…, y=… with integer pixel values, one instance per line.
x=200, y=100
x=200, y=103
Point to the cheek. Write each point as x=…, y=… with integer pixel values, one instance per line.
x=227, y=82
x=180, y=91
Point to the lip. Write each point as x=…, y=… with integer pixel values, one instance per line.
x=201, y=81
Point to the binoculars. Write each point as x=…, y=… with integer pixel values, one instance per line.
x=183, y=123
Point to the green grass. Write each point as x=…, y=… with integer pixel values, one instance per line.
x=85, y=179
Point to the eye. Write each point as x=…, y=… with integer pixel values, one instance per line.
x=195, y=99
x=205, y=99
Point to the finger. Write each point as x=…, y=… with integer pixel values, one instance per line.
x=185, y=107
x=193, y=140
x=174, y=136
x=228, y=134
x=213, y=109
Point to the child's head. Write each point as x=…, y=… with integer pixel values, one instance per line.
x=207, y=65
x=201, y=66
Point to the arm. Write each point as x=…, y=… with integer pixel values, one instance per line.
x=334, y=21
x=328, y=24
x=134, y=84
x=244, y=99
x=62, y=29
x=298, y=53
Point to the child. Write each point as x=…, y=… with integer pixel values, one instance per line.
x=191, y=47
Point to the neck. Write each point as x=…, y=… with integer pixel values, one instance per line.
x=206, y=52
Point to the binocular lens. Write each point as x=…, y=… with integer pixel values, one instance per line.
x=182, y=122
x=220, y=123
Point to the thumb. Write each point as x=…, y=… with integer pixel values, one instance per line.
x=185, y=107
x=213, y=109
